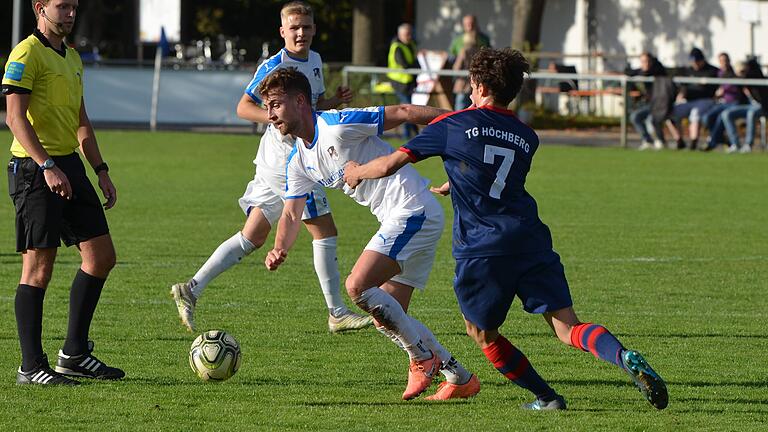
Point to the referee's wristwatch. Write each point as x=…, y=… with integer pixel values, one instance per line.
x=48, y=164
x=101, y=167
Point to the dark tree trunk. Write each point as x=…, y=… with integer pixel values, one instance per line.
x=367, y=31
x=526, y=37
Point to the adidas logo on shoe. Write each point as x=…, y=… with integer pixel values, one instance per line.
x=86, y=365
x=43, y=375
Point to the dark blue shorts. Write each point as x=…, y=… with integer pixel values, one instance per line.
x=485, y=287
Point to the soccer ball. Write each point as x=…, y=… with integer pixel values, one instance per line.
x=214, y=356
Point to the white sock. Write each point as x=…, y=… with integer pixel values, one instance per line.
x=327, y=269
x=392, y=336
x=453, y=371
x=229, y=253
x=387, y=311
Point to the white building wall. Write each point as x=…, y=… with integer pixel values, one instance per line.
x=668, y=28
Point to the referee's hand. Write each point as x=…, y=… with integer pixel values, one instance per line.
x=108, y=189
x=58, y=182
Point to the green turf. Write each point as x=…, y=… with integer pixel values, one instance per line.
x=668, y=250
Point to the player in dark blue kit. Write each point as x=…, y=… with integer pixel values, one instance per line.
x=502, y=248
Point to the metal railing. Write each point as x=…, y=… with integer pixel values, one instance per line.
x=623, y=81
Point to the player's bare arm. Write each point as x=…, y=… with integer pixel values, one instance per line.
x=287, y=231
x=395, y=115
x=380, y=167
x=343, y=96
x=18, y=123
x=90, y=149
x=249, y=109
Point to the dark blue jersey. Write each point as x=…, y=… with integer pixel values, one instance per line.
x=487, y=153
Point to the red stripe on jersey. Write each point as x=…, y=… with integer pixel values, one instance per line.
x=411, y=155
x=498, y=110
x=448, y=114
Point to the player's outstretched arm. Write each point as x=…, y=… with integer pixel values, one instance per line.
x=90, y=149
x=380, y=167
x=249, y=109
x=395, y=115
x=343, y=96
x=287, y=231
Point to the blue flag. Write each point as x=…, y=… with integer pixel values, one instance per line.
x=163, y=44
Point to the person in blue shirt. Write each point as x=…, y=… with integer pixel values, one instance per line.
x=502, y=248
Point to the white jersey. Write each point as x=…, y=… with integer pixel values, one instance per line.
x=352, y=134
x=274, y=147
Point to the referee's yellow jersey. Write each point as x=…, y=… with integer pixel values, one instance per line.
x=54, y=80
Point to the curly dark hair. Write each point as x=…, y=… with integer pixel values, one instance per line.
x=287, y=79
x=500, y=71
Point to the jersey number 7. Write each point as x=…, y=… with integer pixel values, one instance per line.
x=489, y=156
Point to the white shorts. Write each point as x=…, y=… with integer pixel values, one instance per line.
x=267, y=192
x=412, y=242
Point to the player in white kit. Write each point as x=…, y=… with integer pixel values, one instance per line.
x=400, y=255
x=263, y=198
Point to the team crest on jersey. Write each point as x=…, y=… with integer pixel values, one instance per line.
x=317, y=72
x=333, y=153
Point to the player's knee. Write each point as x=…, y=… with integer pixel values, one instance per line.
x=101, y=264
x=248, y=245
x=38, y=277
x=475, y=333
x=354, y=290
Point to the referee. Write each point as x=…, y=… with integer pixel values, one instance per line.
x=43, y=85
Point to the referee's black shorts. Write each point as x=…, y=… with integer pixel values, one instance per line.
x=44, y=217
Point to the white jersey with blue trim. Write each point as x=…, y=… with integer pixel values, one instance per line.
x=352, y=134
x=274, y=148
x=311, y=67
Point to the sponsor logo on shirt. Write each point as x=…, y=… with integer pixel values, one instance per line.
x=342, y=116
x=316, y=71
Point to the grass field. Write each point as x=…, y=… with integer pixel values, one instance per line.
x=668, y=250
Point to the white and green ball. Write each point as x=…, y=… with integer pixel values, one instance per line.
x=214, y=356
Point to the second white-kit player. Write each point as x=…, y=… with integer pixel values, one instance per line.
x=400, y=255
x=262, y=201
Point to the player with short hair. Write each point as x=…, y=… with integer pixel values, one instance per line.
x=502, y=248
x=400, y=255
x=263, y=198
x=54, y=200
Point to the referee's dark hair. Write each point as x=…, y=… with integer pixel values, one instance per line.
x=289, y=80
x=500, y=71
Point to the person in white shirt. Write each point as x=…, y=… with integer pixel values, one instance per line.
x=400, y=255
x=262, y=201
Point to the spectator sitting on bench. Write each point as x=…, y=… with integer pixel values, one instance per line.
x=694, y=100
x=758, y=96
x=728, y=95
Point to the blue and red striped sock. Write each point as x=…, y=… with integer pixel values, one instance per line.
x=513, y=364
x=599, y=341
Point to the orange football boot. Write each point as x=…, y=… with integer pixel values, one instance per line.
x=420, y=375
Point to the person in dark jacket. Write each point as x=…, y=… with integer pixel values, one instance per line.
x=694, y=99
x=641, y=117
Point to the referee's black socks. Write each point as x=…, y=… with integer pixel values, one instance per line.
x=29, y=321
x=83, y=298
